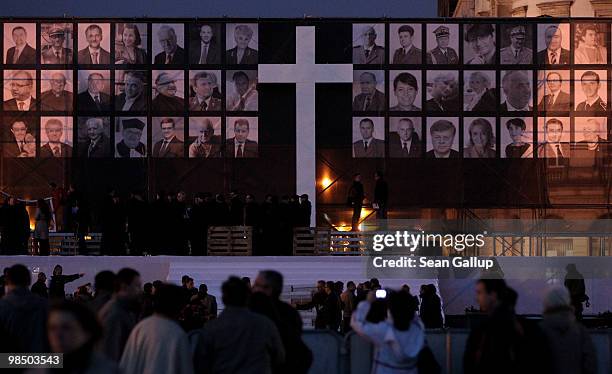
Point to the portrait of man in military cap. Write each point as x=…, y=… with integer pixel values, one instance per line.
x=516, y=43
x=591, y=91
x=131, y=137
x=369, y=43
x=443, y=43
x=56, y=43
x=479, y=44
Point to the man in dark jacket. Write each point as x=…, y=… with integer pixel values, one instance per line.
x=355, y=200
x=22, y=314
x=40, y=286
x=381, y=196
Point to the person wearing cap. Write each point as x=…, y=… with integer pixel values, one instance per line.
x=57, y=98
x=442, y=54
x=240, y=146
x=166, y=99
x=172, y=53
x=203, y=85
x=93, y=54
x=444, y=93
x=554, y=53
x=133, y=97
x=405, y=89
x=54, y=128
x=590, y=84
x=555, y=99
x=22, y=87
x=516, y=52
x=369, y=52
x=481, y=39
x=131, y=146
x=407, y=53
x=94, y=98
x=516, y=87
x=370, y=98
x=571, y=347
x=55, y=52
x=589, y=50
x=170, y=146
x=22, y=52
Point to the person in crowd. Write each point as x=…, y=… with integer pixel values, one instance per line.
x=104, y=284
x=398, y=339
x=143, y=352
x=74, y=331
x=189, y=286
x=571, y=347
x=239, y=341
x=146, y=309
x=119, y=315
x=3, y=280
x=431, y=307
x=298, y=357
x=330, y=310
x=316, y=302
x=348, y=298
x=40, y=286
x=83, y=294
x=574, y=282
x=208, y=301
x=57, y=286
x=41, y=227
x=22, y=313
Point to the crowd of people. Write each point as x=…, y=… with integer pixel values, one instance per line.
x=170, y=224
x=122, y=326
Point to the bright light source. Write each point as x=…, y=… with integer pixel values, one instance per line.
x=326, y=182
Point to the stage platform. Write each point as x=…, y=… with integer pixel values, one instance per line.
x=530, y=276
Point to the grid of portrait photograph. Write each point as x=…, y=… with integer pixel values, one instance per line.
x=137, y=89
x=534, y=89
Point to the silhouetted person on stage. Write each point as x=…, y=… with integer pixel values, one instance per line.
x=137, y=224
x=199, y=225
x=355, y=200
x=113, y=226
x=574, y=282
x=381, y=196
x=15, y=228
x=305, y=211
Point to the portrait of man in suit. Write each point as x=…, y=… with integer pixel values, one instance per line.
x=240, y=146
x=479, y=95
x=204, y=47
x=97, y=143
x=133, y=97
x=22, y=88
x=55, y=147
x=591, y=87
x=590, y=44
x=554, y=99
x=22, y=142
x=442, y=134
x=204, y=86
x=479, y=47
x=167, y=98
x=406, y=91
x=519, y=51
x=442, y=53
x=553, y=149
x=129, y=143
x=171, y=52
x=169, y=146
x=368, y=146
x=404, y=142
x=443, y=87
x=368, y=52
x=206, y=143
x=516, y=89
x=58, y=42
x=241, y=53
x=56, y=98
x=242, y=92
x=407, y=53
x=94, y=54
x=554, y=53
x=94, y=98
x=369, y=97
x=22, y=52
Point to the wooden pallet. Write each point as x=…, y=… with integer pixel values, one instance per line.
x=230, y=241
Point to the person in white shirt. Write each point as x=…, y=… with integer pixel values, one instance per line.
x=21, y=87
x=553, y=149
x=554, y=98
x=516, y=86
x=93, y=54
x=22, y=52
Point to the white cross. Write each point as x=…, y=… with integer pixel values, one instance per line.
x=305, y=73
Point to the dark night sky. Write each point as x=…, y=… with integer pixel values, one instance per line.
x=220, y=8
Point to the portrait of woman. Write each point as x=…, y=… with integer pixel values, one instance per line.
x=481, y=143
x=128, y=45
x=519, y=147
